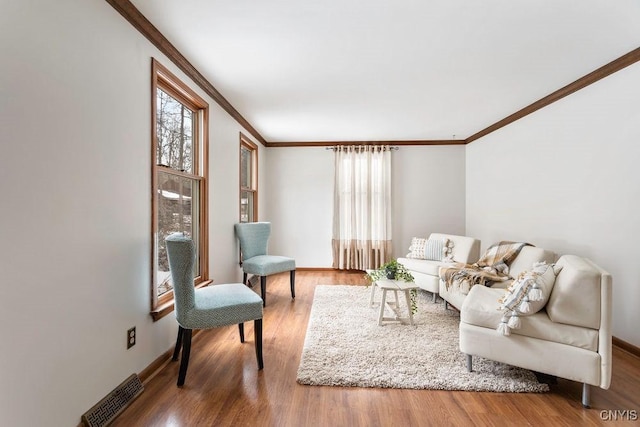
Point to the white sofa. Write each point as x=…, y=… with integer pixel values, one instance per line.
x=570, y=337
x=523, y=261
x=425, y=272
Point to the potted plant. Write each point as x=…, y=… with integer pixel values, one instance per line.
x=393, y=270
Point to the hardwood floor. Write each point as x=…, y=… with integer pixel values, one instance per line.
x=224, y=387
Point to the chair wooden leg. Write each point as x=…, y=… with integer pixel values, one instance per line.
x=244, y=279
x=257, y=331
x=263, y=289
x=241, y=329
x=292, y=279
x=176, y=351
x=184, y=362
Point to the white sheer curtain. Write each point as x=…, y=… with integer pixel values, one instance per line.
x=362, y=207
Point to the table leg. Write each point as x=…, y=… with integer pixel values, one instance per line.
x=397, y=303
x=373, y=291
x=382, y=304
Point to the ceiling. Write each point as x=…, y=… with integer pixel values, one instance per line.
x=355, y=70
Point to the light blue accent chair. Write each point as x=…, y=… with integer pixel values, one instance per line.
x=208, y=307
x=253, y=238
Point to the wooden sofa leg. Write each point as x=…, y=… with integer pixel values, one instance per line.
x=292, y=281
x=469, y=363
x=586, y=395
x=435, y=297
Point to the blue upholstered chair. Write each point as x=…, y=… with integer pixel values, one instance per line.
x=253, y=238
x=208, y=307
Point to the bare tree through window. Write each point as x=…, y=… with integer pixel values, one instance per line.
x=179, y=179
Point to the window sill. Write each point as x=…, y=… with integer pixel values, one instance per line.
x=166, y=308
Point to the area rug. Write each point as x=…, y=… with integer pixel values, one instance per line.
x=344, y=346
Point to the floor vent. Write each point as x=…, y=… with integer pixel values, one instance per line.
x=115, y=402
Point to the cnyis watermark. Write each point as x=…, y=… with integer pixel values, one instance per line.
x=619, y=415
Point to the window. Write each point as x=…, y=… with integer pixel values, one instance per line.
x=362, y=207
x=248, y=180
x=179, y=179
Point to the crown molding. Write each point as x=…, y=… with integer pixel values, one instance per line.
x=599, y=74
x=390, y=142
x=147, y=29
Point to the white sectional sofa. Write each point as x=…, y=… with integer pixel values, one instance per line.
x=570, y=337
x=465, y=250
x=523, y=261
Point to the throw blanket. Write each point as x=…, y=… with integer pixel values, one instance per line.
x=492, y=267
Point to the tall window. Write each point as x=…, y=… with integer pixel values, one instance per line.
x=362, y=207
x=179, y=179
x=248, y=180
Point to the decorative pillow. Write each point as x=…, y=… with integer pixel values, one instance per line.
x=431, y=249
x=416, y=249
x=527, y=295
x=448, y=251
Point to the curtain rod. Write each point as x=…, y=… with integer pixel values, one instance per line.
x=335, y=147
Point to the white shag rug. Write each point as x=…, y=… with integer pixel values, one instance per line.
x=344, y=346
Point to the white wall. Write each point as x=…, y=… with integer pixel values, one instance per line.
x=566, y=178
x=300, y=204
x=428, y=193
x=75, y=210
x=428, y=196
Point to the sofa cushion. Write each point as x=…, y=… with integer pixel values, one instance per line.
x=575, y=299
x=527, y=295
x=432, y=249
x=461, y=248
x=527, y=256
x=481, y=308
x=422, y=265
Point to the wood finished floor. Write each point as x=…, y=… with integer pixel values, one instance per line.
x=224, y=387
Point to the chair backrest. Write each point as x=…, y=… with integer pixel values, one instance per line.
x=181, y=252
x=253, y=238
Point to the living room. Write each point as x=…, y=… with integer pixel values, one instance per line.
x=76, y=136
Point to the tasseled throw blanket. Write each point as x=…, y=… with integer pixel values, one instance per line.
x=492, y=267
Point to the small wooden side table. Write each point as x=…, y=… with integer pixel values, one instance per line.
x=395, y=286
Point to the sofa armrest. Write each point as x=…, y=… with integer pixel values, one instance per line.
x=605, y=332
x=582, y=296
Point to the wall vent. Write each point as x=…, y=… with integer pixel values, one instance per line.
x=112, y=404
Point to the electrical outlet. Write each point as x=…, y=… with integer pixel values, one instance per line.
x=131, y=337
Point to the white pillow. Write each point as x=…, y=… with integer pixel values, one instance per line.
x=448, y=251
x=416, y=249
x=431, y=249
x=527, y=295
